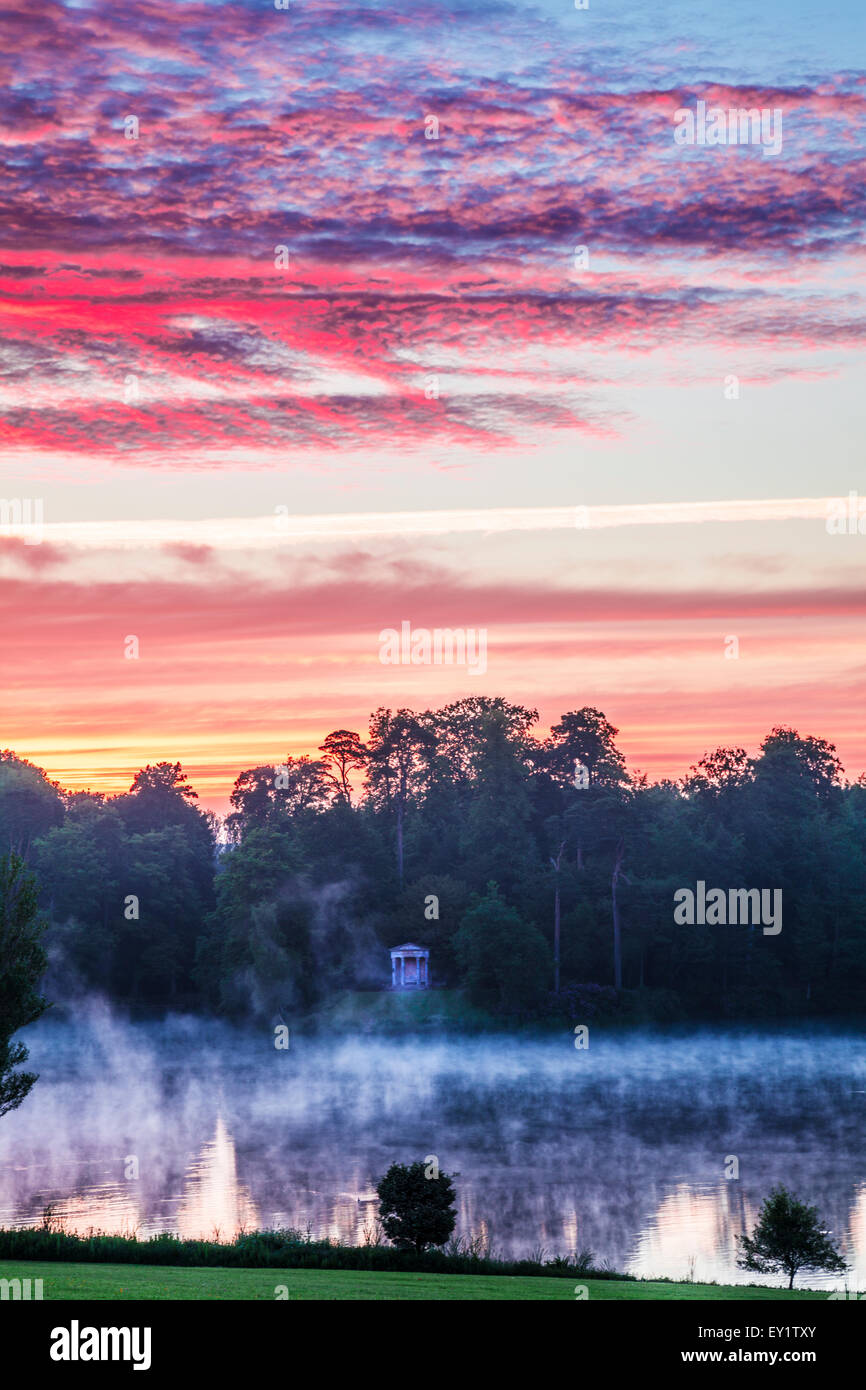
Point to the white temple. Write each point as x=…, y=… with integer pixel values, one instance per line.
x=409, y=967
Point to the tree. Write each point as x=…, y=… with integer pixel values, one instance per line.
x=723, y=770
x=399, y=745
x=813, y=760
x=155, y=949
x=619, y=858
x=482, y=737
x=616, y=823
x=344, y=752
x=504, y=961
x=253, y=798
x=162, y=778
x=160, y=796
x=556, y=864
x=584, y=736
x=22, y=964
x=788, y=1237
x=416, y=1206
x=302, y=784
x=80, y=866
x=29, y=803
x=160, y=800
x=484, y=753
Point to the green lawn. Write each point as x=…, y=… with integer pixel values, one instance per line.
x=121, y=1282
x=387, y=1011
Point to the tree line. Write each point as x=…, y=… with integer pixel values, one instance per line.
x=540, y=872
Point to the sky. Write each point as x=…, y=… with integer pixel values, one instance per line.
x=318, y=320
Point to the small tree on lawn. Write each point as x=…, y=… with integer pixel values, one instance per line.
x=788, y=1237
x=416, y=1206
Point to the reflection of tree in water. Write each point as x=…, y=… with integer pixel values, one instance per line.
x=100, y=1207
x=214, y=1200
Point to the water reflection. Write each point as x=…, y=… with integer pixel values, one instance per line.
x=620, y=1149
x=215, y=1204
x=693, y=1232
x=101, y=1207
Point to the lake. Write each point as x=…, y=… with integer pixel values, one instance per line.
x=621, y=1148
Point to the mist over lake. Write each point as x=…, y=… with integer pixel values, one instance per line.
x=620, y=1148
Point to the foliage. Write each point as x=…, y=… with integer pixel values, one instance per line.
x=416, y=1206
x=29, y=803
x=315, y=877
x=22, y=964
x=504, y=962
x=788, y=1237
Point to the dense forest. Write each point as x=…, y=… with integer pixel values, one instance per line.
x=540, y=873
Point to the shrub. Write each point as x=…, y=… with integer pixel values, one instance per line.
x=269, y=1250
x=416, y=1207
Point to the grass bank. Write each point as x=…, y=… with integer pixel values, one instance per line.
x=123, y=1282
x=397, y=1011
